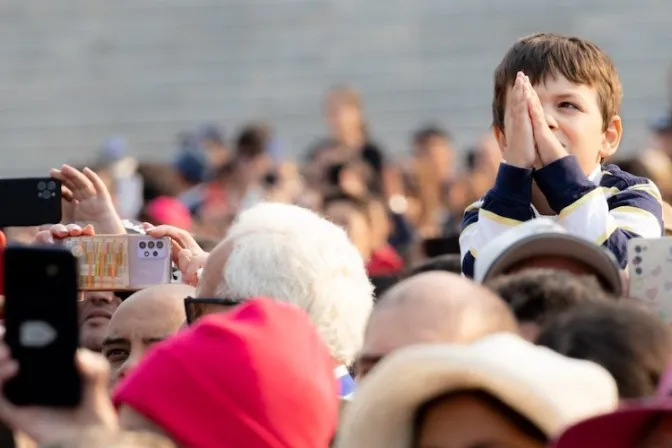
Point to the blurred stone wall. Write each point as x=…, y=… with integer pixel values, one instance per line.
x=75, y=71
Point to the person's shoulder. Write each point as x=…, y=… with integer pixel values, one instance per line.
x=614, y=177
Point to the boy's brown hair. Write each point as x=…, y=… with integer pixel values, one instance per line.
x=542, y=55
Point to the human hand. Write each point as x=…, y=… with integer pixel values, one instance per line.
x=185, y=251
x=60, y=231
x=625, y=282
x=48, y=425
x=549, y=147
x=87, y=199
x=520, y=148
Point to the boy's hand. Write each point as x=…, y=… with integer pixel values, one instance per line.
x=520, y=150
x=548, y=146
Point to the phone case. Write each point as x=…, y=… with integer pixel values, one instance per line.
x=121, y=262
x=31, y=201
x=41, y=325
x=649, y=265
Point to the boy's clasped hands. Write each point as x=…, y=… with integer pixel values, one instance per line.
x=530, y=140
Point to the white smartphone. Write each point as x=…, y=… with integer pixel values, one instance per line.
x=121, y=262
x=649, y=268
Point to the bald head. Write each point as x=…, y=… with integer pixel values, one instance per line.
x=432, y=307
x=146, y=317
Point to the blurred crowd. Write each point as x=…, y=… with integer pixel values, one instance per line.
x=397, y=211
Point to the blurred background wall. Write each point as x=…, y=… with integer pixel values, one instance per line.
x=74, y=72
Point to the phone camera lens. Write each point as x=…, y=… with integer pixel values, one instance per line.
x=45, y=194
x=146, y=253
x=142, y=245
x=638, y=271
x=155, y=253
x=638, y=249
x=150, y=244
x=159, y=244
x=637, y=260
x=41, y=185
x=51, y=185
x=52, y=270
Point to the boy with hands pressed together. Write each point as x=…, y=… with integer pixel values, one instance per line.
x=555, y=116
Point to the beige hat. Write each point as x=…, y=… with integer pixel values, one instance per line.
x=544, y=237
x=550, y=390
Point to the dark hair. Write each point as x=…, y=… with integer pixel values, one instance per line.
x=447, y=263
x=633, y=344
x=423, y=135
x=358, y=204
x=470, y=158
x=334, y=172
x=521, y=423
x=381, y=283
x=158, y=179
x=319, y=146
x=536, y=295
x=634, y=166
x=252, y=141
x=542, y=55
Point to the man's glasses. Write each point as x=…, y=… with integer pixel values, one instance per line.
x=197, y=308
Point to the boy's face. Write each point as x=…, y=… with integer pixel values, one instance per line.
x=573, y=113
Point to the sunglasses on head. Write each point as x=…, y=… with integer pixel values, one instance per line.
x=197, y=308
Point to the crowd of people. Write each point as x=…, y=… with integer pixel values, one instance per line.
x=353, y=301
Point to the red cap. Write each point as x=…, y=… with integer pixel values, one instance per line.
x=619, y=429
x=257, y=376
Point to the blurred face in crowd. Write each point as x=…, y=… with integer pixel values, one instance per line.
x=355, y=223
x=466, y=420
x=147, y=317
x=663, y=141
x=343, y=114
x=216, y=151
x=95, y=311
x=440, y=154
x=380, y=223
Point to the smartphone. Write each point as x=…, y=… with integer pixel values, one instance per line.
x=41, y=326
x=30, y=201
x=435, y=247
x=649, y=266
x=121, y=262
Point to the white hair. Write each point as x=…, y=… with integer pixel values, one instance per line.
x=291, y=254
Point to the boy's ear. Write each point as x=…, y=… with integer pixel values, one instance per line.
x=611, y=137
x=501, y=138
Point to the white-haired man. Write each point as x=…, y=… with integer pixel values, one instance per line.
x=290, y=254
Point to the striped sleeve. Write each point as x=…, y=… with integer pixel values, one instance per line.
x=621, y=208
x=507, y=204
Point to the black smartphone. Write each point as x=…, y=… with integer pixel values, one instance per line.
x=6, y=436
x=41, y=325
x=30, y=202
x=434, y=247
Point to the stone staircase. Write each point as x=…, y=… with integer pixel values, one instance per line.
x=73, y=72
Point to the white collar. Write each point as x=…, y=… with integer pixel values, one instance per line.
x=596, y=175
x=341, y=371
